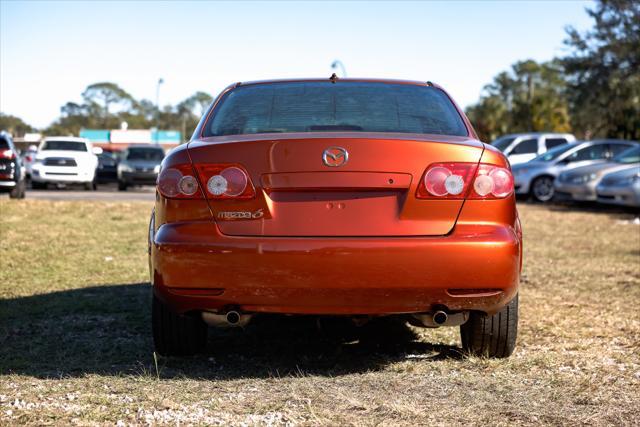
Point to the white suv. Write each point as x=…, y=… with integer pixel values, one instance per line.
x=522, y=147
x=65, y=160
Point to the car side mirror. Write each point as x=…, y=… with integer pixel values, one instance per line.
x=97, y=150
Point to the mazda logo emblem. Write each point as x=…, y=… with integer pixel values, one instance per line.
x=335, y=156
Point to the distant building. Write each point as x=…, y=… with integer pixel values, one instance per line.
x=119, y=139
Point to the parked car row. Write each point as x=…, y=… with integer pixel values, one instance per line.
x=606, y=170
x=74, y=161
x=585, y=183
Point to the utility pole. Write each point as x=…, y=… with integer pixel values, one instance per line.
x=530, y=89
x=160, y=82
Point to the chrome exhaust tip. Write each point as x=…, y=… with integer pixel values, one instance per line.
x=233, y=318
x=230, y=319
x=440, y=317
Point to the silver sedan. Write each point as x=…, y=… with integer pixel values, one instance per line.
x=536, y=178
x=580, y=183
x=620, y=188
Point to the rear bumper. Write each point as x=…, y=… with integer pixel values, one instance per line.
x=194, y=267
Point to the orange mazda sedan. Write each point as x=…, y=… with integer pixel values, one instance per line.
x=355, y=198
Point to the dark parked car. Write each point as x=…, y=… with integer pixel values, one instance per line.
x=12, y=173
x=107, y=168
x=139, y=165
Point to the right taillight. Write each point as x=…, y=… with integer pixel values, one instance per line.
x=491, y=182
x=215, y=181
x=465, y=180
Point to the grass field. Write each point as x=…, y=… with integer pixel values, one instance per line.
x=75, y=343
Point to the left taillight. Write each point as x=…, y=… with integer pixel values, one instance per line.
x=225, y=181
x=465, y=180
x=179, y=182
x=215, y=181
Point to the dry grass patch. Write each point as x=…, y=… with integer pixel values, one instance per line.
x=75, y=338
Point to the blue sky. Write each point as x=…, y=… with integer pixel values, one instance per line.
x=50, y=51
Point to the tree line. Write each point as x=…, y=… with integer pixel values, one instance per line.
x=593, y=91
x=106, y=105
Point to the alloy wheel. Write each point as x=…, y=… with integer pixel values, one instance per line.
x=543, y=189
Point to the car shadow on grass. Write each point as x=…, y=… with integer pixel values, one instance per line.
x=106, y=330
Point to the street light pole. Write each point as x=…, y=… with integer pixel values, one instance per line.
x=337, y=63
x=160, y=81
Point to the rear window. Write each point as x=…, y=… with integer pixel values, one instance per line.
x=618, y=148
x=554, y=142
x=630, y=155
x=527, y=146
x=328, y=107
x=593, y=152
x=145, y=154
x=65, y=145
x=4, y=144
x=502, y=143
x=106, y=159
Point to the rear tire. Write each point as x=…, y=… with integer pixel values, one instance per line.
x=542, y=189
x=491, y=336
x=18, y=191
x=176, y=334
x=122, y=186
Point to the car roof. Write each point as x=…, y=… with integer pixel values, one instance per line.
x=607, y=141
x=571, y=145
x=67, y=138
x=338, y=80
x=512, y=135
